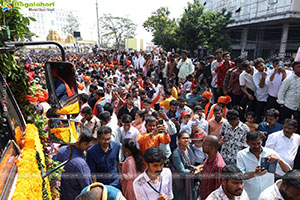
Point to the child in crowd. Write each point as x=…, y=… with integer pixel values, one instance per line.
x=250, y=121
x=185, y=118
x=200, y=156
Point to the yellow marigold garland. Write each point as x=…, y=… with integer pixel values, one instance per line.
x=29, y=183
x=70, y=109
x=61, y=133
x=68, y=135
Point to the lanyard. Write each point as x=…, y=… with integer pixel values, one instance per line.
x=158, y=192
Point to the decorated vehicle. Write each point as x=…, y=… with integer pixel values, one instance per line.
x=26, y=148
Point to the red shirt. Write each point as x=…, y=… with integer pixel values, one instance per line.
x=211, y=175
x=222, y=69
x=234, y=82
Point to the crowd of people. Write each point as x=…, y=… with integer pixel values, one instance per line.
x=165, y=126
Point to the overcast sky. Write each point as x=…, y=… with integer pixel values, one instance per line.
x=136, y=10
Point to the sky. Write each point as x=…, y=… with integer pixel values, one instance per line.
x=136, y=10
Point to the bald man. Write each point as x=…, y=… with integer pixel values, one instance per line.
x=213, y=165
x=98, y=191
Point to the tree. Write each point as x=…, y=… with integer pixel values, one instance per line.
x=207, y=29
x=214, y=33
x=71, y=26
x=164, y=29
x=117, y=29
x=196, y=27
x=190, y=27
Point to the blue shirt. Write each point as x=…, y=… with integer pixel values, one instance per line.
x=176, y=116
x=105, y=163
x=190, y=98
x=263, y=127
x=60, y=89
x=77, y=174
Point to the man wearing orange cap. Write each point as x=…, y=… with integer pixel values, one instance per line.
x=86, y=81
x=222, y=102
x=205, y=102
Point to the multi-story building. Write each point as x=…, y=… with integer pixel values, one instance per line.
x=261, y=28
x=52, y=19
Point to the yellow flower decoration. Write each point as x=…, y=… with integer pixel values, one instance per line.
x=29, y=183
x=61, y=133
x=68, y=135
x=70, y=109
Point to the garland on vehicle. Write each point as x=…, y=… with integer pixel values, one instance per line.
x=15, y=27
x=30, y=183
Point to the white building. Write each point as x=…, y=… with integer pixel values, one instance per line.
x=54, y=19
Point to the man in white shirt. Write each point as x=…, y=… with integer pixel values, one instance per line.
x=261, y=91
x=247, y=86
x=127, y=131
x=155, y=183
x=90, y=121
x=286, y=141
x=289, y=95
x=141, y=61
x=232, y=186
x=185, y=67
x=287, y=188
x=257, y=179
x=182, y=106
x=105, y=119
x=274, y=79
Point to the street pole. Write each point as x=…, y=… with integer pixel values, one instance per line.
x=98, y=31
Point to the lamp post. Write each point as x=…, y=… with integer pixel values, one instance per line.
x=98, y=31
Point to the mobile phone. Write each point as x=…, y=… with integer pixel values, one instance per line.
x=269, y=166
x=160, y=122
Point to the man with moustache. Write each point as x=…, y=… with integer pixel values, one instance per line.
x=155, y=183
x=103, y=158
x=257, y=179
x=232, y=185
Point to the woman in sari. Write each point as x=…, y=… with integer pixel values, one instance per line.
x=183, y=160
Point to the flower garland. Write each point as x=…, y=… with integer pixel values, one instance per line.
x=67, y=135
x=70, y=109
x=61, y=134
x=30, y=183
x=21, y=82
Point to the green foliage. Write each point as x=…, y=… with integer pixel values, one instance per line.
x=189, y=25
x=195, y=27
x=71, y=26
x=117, y=29
x=15, y=27
x=164, y=29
